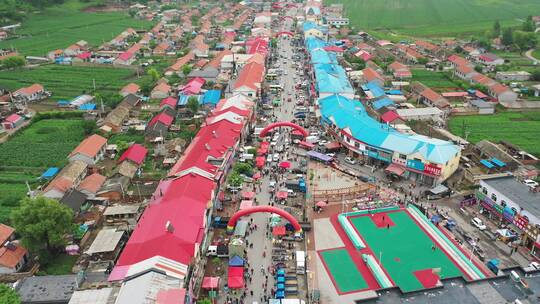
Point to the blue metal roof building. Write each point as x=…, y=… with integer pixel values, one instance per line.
x=374, y=88
x=381, y=103
x=331, y=78
x=350, y=115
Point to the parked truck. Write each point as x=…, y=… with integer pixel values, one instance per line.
x=220, y=251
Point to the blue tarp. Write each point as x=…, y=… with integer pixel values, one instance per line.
x=211, y=97
x=88, y=107
x=487, y=163
x=497, y=162
x=51, y=172
x=62, y=102
x=394, y=92
x=183, y=99
x=236, y=261
x=385, y=102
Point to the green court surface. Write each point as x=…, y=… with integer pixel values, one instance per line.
x=343, y=270
x=404, y=249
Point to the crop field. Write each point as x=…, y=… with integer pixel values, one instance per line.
x=434, y=80
x=536, y=54
x=67, y=82
x=11, y=194
x=60, y=26
x=43, y=144
x=520, y=129
x=435, y=17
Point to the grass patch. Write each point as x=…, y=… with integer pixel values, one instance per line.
x=434, y=80
x=520, y=129
x=43, y=144
x=536, y=54
x=11, y=194
x=67, y=82
x=58, y=265
x=60, y=26
x=435, y=17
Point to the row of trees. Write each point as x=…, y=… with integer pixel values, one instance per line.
x=12, y=62
x=522, y=37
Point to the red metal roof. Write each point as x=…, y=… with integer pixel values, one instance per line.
x=125, y=56
x=13, y=118
x=389, y=116
x=171, y=101
x=162, y=117
x=193, y=86
x=136, y=153
x=251, y=75
x=181, y=202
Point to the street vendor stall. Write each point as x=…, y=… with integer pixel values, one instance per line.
x=235, y=277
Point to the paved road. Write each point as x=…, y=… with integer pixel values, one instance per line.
x=261, y=283
x=529, y=55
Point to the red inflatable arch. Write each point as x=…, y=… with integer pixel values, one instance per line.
x=232, y=222
x=290, y=34
x=283, y=124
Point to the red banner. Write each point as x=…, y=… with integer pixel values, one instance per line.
x=432, y=169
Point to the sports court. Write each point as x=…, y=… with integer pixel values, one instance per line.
x=393, y=247
x=343, y=270
x=404, y=250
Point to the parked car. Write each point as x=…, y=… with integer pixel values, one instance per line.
x=532, y=184
x=350, y=160
x=476, y=222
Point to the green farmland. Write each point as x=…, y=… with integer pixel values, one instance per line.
x=520, y=129
x=67, y=82
x=434, y=80
x=60, y=26
x=42, y=144
x=436, y=17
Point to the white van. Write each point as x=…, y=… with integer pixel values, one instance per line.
x=300, y=262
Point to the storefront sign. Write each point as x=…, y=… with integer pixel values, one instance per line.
x=415, y=164
x=432, y=169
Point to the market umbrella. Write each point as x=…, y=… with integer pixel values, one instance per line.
x=210, y=283
x=278, y=230
x=285, y=164
x=248, y=195
x=321, y=204
x=282, y=194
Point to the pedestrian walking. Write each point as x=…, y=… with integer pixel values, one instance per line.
x=433, y=247
x=388, y=226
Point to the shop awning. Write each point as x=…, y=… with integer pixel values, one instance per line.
x=279, y=230
x=210, y=283
x=235, y=277
x=334, y=145
x=248, y=195
x=395, y=169
x=282, y=194
x=246, y=204
x=306, y=144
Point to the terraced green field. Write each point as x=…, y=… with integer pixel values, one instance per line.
x=60, y=26
x=436, y=17
x=520, y=129
x=67, y=82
